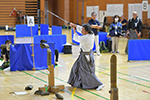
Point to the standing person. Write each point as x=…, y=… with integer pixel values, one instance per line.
x=95, y=25
x=83, y=71
x=6, y=55
x=123, y=21
x=115, y=33
x=134, y=25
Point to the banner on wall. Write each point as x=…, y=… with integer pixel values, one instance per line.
x=114, y=9
x=148, y=11
x=102, y=14
x=135, y=7
x=145, y=6
x=90, y=9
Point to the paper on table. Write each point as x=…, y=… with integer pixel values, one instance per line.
x=21, y=93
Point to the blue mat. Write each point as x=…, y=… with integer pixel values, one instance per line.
x=3, y=38
x=58, y=39
x=102, y=37
x=44, y=28
x=56, y=30
x=25, y=31
x=20, y=57
x=139, y=49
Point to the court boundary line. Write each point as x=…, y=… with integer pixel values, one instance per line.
x=47, y=82
x=79, y=88
x=13, y=75
x=73, y=92
x=128, y=81
x=108, y=70
x=104, y=72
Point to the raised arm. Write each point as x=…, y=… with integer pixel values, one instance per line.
x=78, y=28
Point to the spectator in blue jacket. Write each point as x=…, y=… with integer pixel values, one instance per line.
x=115, y=33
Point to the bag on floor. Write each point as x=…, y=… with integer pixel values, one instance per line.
x=109, y=45
x=103, y=48
x=67, y=49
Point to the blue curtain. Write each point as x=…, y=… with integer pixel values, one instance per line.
x=21, y=59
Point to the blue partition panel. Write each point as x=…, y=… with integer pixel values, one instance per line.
x=58, y=39
x=3, y=38
x=139, y=49
x=56, y=30
x=20, y=57
x=25, y=31
x=44, y=28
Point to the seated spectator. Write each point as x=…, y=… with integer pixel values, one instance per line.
x=6, y=55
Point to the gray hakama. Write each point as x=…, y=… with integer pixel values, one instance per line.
x=83, y=72
x=132, y=35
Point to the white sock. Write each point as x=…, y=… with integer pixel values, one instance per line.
x=100, y=87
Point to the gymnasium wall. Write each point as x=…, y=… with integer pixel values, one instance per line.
x=61, y=8
x=66, y=9
x=29, y=7
x=102, y=6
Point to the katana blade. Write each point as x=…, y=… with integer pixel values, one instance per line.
x=57, y=16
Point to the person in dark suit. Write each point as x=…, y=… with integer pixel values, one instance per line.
x=134, y=25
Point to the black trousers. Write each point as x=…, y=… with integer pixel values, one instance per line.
x=56, y=55
x=132, y=35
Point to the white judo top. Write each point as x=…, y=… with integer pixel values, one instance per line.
x=86, y=41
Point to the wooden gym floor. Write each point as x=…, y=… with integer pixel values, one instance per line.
x=133, y=77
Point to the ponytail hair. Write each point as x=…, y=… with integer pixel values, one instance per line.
x=88, y=28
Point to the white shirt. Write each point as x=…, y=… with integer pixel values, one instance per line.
x=86, y=41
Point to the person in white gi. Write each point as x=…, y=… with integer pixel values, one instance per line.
x=83, y=71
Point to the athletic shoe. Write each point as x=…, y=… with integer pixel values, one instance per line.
x=113, y=52
x=99, y=54
x=56, y=63
x=117, y=51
